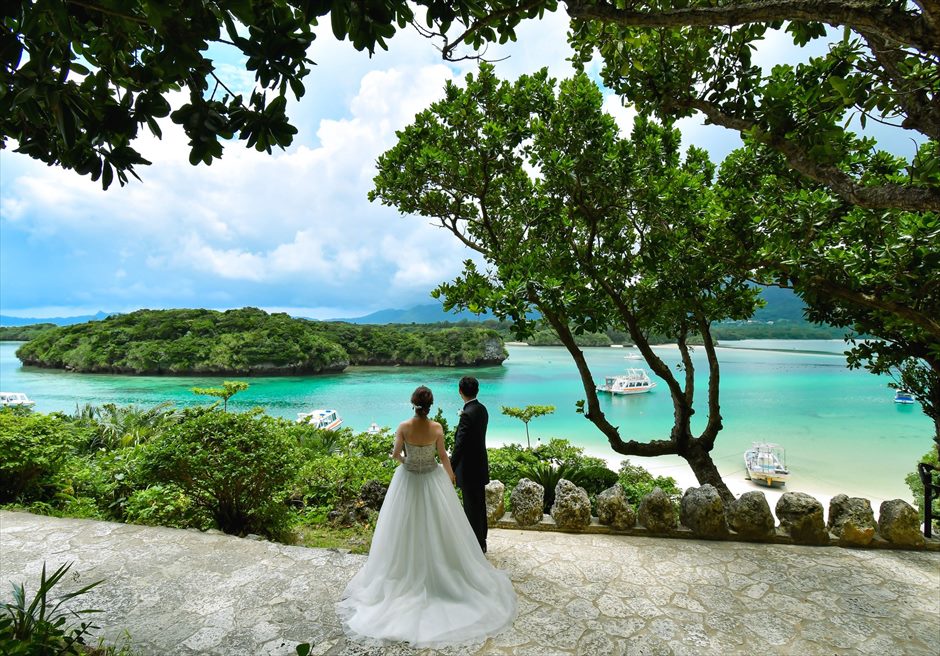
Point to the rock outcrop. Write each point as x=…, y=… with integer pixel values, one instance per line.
x=851, y=520
x=656, y=512
x=525, y=502
x=801, y=516
x=613, y=509
x=703, y=511
x=572, y=507
x=495, y=508
x=750, y=516
x=899, y=523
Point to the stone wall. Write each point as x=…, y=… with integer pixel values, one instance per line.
x=702, y=514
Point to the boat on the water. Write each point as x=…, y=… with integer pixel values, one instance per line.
x=15, y=399
x=374, y=429
x=766, y=463
x=903, y=397
x=321, y=418
x=635, y=381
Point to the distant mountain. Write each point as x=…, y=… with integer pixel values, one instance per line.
x=7, y=321
x=430, y=313
x=782, y=305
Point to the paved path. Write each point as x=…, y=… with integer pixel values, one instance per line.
x=185, y=592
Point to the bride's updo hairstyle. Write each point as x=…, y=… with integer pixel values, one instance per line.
x=421, y=400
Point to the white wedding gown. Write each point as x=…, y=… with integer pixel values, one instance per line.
x=426, y=582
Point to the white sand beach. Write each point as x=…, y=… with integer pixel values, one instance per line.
x=679, y=470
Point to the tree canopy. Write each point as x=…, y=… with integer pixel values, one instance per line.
x=81, y=80
x=590, y=229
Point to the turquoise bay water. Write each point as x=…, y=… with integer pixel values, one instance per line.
x=841, y=429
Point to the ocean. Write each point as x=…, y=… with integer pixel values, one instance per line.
x=840, y=428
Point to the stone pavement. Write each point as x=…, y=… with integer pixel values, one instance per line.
x=186, y=592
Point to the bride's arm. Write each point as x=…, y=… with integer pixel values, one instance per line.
x=399, y=446
x=442, y=454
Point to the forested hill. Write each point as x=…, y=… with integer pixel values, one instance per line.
x=250, y=342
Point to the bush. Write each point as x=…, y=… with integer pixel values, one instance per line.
x=917, y=488
x=638, y=482
x=165, y=505
x=508, y=462
x=331, y=480
x=33, y=448
x=597, y=478
x=548, y=475
x=236, y=466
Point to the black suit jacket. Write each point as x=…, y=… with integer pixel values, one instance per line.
x=469, y=459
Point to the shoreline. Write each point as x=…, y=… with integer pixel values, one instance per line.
x=677, y=468
x=738, y=485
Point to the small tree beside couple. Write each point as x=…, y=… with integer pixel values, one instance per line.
x=427, y=581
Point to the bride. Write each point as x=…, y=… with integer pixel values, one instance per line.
x=426, y=582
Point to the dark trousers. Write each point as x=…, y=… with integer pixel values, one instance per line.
x=474, y=505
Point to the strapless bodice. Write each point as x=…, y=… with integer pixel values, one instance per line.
x=420, y=459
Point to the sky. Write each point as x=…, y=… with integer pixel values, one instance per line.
x=289, y=232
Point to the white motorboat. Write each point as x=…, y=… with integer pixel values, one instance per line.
x=903, y=397
x=321, y=418
x=14, y=399
x=635, y=381
x=374, y=429
x=766, y=463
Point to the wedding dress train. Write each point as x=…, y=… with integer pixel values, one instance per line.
x=426, y=581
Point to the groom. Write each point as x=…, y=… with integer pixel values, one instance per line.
x=469, y=460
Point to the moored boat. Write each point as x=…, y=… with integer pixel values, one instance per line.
x=374, y=429
x=766, y=463
x=321, y=418
x=903, y=397
x=635, y=381
x=15, y=399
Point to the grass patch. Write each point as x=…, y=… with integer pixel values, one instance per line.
x=356, y=538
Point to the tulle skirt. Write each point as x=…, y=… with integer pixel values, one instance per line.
x=426, y=581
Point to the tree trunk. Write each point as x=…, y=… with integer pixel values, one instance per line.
x=704, y=469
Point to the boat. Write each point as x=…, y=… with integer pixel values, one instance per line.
x=633, y=356
x=766, y=463
x=635, y=381
x=321, y=418
x=374, y=429
x=15, y=399
x=903, y=397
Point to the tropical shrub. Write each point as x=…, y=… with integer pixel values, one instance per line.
x=238, y=467
x=39, y=626
x=917, y=488
x=33, y=448
x=638, y=482
x=508, y=462
x=331, y=480
x=165, y=505
x=127, y=425
x=548, y=475
x=596, y=478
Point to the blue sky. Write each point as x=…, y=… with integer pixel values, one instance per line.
x=292, y=231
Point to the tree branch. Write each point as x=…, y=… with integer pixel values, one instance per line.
x=922, y=114
x=886, y=196
x=904, y=28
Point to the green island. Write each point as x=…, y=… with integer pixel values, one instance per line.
x=247, y=342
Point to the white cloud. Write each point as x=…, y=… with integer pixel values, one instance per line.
x=624, y=116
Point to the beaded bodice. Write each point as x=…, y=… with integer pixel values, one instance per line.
x=420, y=459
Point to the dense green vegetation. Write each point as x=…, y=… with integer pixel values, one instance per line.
x=239, y=472
x=249, y=342
x=24, y=333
